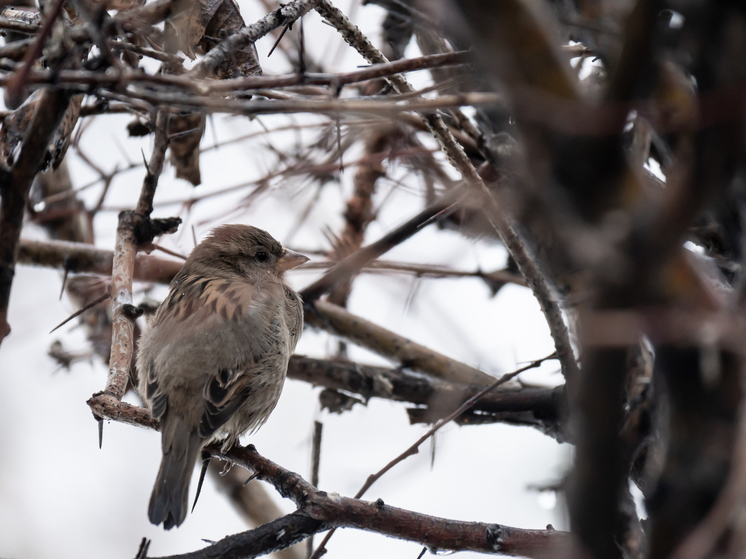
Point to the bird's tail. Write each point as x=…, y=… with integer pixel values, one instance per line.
x=169, y=500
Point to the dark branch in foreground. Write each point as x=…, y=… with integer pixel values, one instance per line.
x=267, y=538
x=15, y=185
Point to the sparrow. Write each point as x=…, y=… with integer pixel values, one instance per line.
x=212, y=364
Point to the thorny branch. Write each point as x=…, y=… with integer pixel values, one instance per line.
x=461, y=162
x=414, y=448
x=130, y=235
x=319, y=511
x=557, y=175
x=543, y=405
x=285, y=15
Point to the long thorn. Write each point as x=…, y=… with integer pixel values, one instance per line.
x=101, y=299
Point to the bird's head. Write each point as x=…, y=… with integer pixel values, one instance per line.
x=243, y=251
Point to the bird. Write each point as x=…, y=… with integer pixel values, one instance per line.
x=212, y=363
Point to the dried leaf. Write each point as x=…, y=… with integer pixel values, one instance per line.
x=185, y=132
x=243, y=62
x=138, y=128
x=197, y=29
x=188, y=26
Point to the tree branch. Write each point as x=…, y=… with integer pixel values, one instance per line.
x=15, y=185
x=130, y=236
x=339, y=321
x=458, y=158
x=440, y=397
x=319, y=511
x=80, y=257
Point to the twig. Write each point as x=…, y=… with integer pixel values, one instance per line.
x=316, y=452
x=173, y=102
x=123, y=268
x=458, y=158
x=360, y=258
x=154, y=166
x=384, y=342
x=424, y=271
x=315, y=463
x=339, y=80
x=107, y=406
x=414, y=448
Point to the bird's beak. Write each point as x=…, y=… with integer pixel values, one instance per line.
x=290, y=259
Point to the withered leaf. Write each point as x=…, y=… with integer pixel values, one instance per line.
x=196, y=30
x=185, y=132
x=138, y=128
x=244, y=62
x=188, y=26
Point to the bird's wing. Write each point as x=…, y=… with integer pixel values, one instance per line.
x=197, y=326
x=293, y=316
x=224, y=393
x=193, y=305
x=190, y=296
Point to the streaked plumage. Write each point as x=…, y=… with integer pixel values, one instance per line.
x=213, y=362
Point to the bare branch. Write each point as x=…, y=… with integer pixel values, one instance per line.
x=362, y=257
x=319, y=511
x=461, y=162
x=384, y=342
x=440, y=397
x=130, y=235
x=80, y=257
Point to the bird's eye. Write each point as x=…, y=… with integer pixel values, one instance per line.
x=261, y=256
